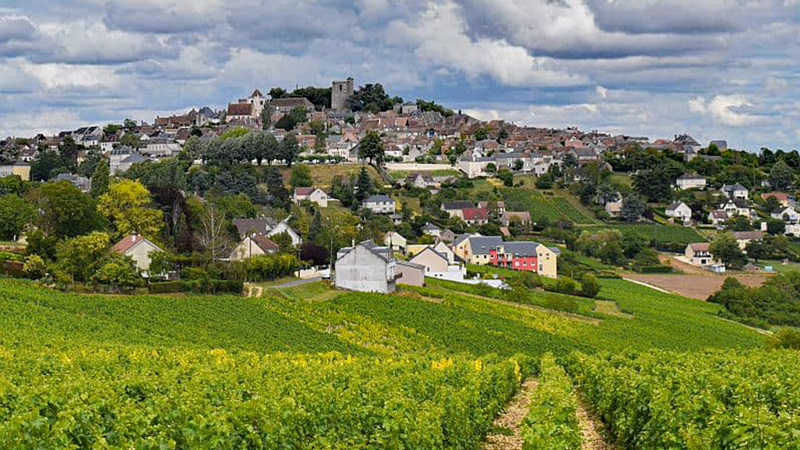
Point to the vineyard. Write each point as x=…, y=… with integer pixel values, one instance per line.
x=552, y=208
x=429, y=368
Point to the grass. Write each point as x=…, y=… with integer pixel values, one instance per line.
x=552, y=205
x=779, y=266
x=323, y=174
x=400, y=174
x=621, y=178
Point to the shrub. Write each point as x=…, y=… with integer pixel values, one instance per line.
x=784, y=338
x=34, y=267
x=557, y=303
x=166, y=287
x=566, y=285
x=590, y=287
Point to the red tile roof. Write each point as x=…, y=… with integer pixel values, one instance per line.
x=125, y=244
x=240, y=109
x=475, y=214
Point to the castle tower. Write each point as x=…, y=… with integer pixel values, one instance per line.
x=340, y=92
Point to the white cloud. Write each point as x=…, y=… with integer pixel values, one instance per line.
x=602, y=92
x=56, y=76
x=439, y=38
x=726, y=109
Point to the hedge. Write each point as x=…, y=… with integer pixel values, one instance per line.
x=653, y=269
x=202, y=286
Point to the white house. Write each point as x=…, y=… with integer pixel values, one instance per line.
x=312, y=194
x=380, y=204
x=735, y=191
x=691, y=181
x=255, y=244
x=409, y=273
x=737, y=207
x=283, y=227
x=718, y=218
x=786, y=214
x=139, y=248
x=680, y=212
x=745, y=237
x=396, y=242
x=366, y=267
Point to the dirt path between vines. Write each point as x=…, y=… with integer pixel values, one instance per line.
x=591, y=427
x=507, y=435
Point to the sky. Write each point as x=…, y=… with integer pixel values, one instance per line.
x=716, y=69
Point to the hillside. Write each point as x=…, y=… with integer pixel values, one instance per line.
x=189, y=370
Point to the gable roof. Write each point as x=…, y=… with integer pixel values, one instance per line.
x=379, y=198
x=384, y=253
x=691, y=176
x=748, y=235
x=240, y=109
x=128, y=242
x=481, y=245
x=304, y=190
x=430, y=250
x=475, y=214
x=521, y=248
x=458, y=204
x=676, y=205
x=264, y=243
x=733, y=187
x=247, y=226
x=700, y=246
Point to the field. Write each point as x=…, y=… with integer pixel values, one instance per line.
x=694, y=285
x=542, y=204
x=322, y=174
x=308, y=367
x=672, y=235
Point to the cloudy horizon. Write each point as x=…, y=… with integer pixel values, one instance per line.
x=717, y=69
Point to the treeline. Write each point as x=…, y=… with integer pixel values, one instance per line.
x=776, y=302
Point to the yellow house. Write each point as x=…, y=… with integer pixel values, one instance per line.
x=547, y=258
x=477, y=249
x=20, y=168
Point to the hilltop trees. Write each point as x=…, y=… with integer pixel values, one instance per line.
x=64, y=211
x=781, y=176
x=371, y=148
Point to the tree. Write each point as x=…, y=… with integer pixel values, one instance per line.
x=131, y=140
x=756, y=249
x=632, y=208
x=566, y=285
x=68, y=150
x=544, y=181
x=34, y=267
x=315, y=229
x=372, y=98
x=518, y=164
x=277, y=191
x=111, y=129
x=129, y=124
x=371, y=148
x=654, y=185
x=725, y=248
x=284, y=241
x=100, y=179
x=364, y=185
x=482, y=133
x=64, y=211
x=590, y=287
x=507, y=177
x=126, y=205
x=301, y=176
x=118, y=270
x=776, y=227
x=781, y=176
x=740, y=223
x=44, y=165
x=213, y=235
x=15, y=214
x=80, y=256
x=289, y=149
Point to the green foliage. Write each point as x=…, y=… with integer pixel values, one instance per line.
x=566, y=285
x=119, y=271
x=100, y=179
x=270, y=267
x=64, y=211
x=708, y=399
x=726, y=249
x=632, y=208
x=776, y=302
x=549, y=208
x=35, y=267
x=785, y=338
x=126, y=205
x=301, y=176
x=371, y=148
x=15, y=214
x=552, y=422
x=781, y=176
x=80, y=256
x=372, y=98
x=590, y=286
x=426, y=106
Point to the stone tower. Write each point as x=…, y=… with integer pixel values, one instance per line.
x=340, y=92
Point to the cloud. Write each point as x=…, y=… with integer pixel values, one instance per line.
x=13, y=27
x=154, y=16
x=730, y=110
x=439, y=37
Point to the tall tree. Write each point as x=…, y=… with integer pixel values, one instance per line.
x=15, y=214
x=364, y=185
x=289, y=149
x=69, y=153
x=277, y=191
x=126, y=205
x=80, y=256
x=371, y=148
x=781, y=176
x=301, y=176
x=100, y=179
x=266, y=117
x=64, y=211
x=213, y=235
